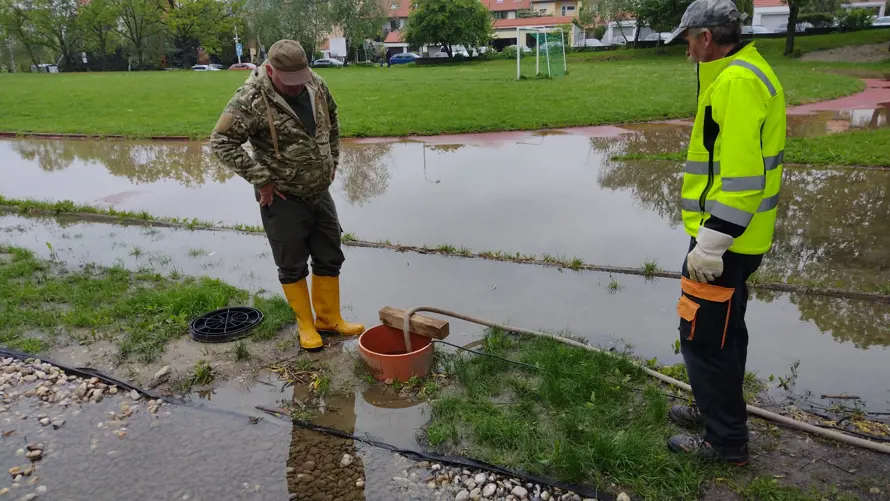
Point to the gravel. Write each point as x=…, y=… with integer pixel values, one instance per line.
x=58, y=395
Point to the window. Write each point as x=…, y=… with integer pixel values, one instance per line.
x=499, y=15
x=393, y=24
x=568, y=10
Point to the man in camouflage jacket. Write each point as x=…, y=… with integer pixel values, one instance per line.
x=287, y=114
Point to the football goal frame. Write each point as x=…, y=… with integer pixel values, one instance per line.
x=537, y=31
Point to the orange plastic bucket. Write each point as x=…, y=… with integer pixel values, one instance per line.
x=383, y=349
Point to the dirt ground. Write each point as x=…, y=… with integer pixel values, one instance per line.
x=802, y=461
x=873, y=53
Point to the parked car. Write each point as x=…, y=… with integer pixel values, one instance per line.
x=883, y=22
x=801, y=27
x=655, y=36
x=326, y=62
x=205, y=67
x=756, y=30
x=591, y=42
x=242, y=66
x=403, y=58
x=217, y=67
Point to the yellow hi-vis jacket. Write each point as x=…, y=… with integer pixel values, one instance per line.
x=734, y=165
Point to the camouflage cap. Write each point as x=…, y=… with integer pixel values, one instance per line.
x=708, y=14
x=289, y=60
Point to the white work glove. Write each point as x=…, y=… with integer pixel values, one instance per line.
x=705, y=261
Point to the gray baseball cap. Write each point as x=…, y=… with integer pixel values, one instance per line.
x=708, y=14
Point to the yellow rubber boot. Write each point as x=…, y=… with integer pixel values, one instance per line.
x=326, y=300
x=298, y=296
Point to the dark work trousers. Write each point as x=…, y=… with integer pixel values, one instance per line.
x=716, y=362
x=298, y=230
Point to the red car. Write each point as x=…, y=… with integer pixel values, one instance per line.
x=242, y=66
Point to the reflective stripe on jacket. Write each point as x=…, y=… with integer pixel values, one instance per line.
x=734, y=165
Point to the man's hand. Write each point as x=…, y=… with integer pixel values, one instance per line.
x=705, y=262
x=267, y=194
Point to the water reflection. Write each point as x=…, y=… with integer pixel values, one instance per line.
x=833, y=230
x=322, y=466
x=832, y=122
x=190, y=164
x=363, y=172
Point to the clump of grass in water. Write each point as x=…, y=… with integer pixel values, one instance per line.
x=650, y=268
x=136, y=252
x=203, y=374
x=613, y=286
x=446, y=249
x=348, y=237
x=576, y=264
x=240, y=352
x=197, y=252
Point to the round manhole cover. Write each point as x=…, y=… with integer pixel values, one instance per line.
x=226, y=324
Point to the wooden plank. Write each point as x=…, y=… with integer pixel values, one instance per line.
x=420, y=325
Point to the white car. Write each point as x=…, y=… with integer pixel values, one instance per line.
x=655, y=36
x=755, y=30
x=204, y=67
x=326, y=62
x=883, y=22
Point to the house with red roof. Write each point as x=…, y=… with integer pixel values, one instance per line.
x=507, y=16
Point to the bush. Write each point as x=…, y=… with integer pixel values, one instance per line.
x=459, y=58
x=854, y=19
x=818, y=19
x=509, y=52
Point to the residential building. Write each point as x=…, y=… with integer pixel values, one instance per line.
x=507, y=15
x=774, y=13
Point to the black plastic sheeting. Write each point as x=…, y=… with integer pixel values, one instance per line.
x=86, y=372
x=583, y=491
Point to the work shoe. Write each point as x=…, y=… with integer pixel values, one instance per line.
x=326, y=300
x=697, y=446
x=297, y=295
x=686, y=416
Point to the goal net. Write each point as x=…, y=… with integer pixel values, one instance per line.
x=540, y=53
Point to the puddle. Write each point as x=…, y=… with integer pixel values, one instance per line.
x=820, y=123
x=555, y=194
x=842, y=344
x=201, y=451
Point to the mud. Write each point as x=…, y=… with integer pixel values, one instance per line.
x=841, y=343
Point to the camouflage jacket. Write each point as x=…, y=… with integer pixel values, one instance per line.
x=283, y=151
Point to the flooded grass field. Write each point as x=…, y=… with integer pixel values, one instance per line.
x=556, y=195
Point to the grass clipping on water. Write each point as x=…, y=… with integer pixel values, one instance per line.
x=139, y=312
x=582, y=417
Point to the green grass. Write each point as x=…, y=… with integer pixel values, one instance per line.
x=862, y=147
x=202, y=374
x=583, y=417
x=139, y=312
x=240, y=352
x=578, y=416
x=650, y=268
x=397, y=101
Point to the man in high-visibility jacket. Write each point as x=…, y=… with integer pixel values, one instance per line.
x=730, y=193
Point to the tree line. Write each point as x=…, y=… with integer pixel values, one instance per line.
x=151, y=34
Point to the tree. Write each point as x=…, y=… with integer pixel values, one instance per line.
x=359, y=20
x=140, y=22
x=306, y=21
x=586, y=19
x=660, y=15
x=99, y=19
x=58, y=28
x=194, y=24
x=15, y=21
x=449, y=22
